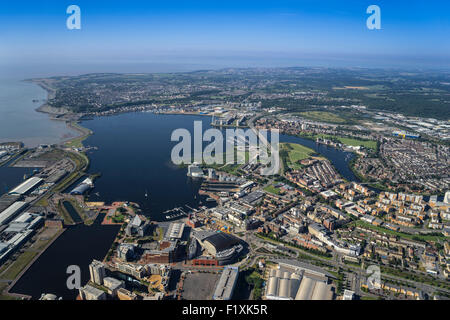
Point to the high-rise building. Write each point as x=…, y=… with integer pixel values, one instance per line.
x=97, y=271
x=447, y=197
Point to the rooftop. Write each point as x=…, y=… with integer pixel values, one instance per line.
x=26, y=186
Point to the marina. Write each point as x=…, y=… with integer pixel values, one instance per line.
x=176, y=213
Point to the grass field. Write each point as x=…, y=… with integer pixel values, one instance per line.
x=369, y=144
x=323, y=116
x=272, y=189
x=295, y=153
x=78, y=142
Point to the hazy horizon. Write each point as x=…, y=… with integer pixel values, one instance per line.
x=173, y=36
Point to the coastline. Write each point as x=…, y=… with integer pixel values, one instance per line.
x=71, y=119
x=45, y=108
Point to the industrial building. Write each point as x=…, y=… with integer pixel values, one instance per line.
x=282, y=285
x=291, y=282
x=26, y=186
x=240, y=209
x=9, y=213
x=17, y=232
x=253, y=197
x=8, y=247
x=6, y=200
x=25, y=221
x=227, y=283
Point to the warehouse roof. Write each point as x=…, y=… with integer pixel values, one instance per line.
x=26, y=186
x=226, y=284
x=24, y=217
x=298, y=285
x=11, y=211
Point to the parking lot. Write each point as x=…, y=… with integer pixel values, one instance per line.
x=199, y=286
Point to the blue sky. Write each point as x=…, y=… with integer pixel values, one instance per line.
x=123, y=35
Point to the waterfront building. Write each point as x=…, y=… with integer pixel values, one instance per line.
x=195, y=171
x=13, y=210
x=125, y=251
x=83, y=187
x=26, y=186
x=97, y=272
x=137, y=225
x=124, y=294
x=113, y=285
x=89, y=292
x=136, y=271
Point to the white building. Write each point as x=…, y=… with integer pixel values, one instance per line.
x=97, y=272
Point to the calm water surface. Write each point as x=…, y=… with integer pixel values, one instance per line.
x=19, y=121
x=133, y=157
